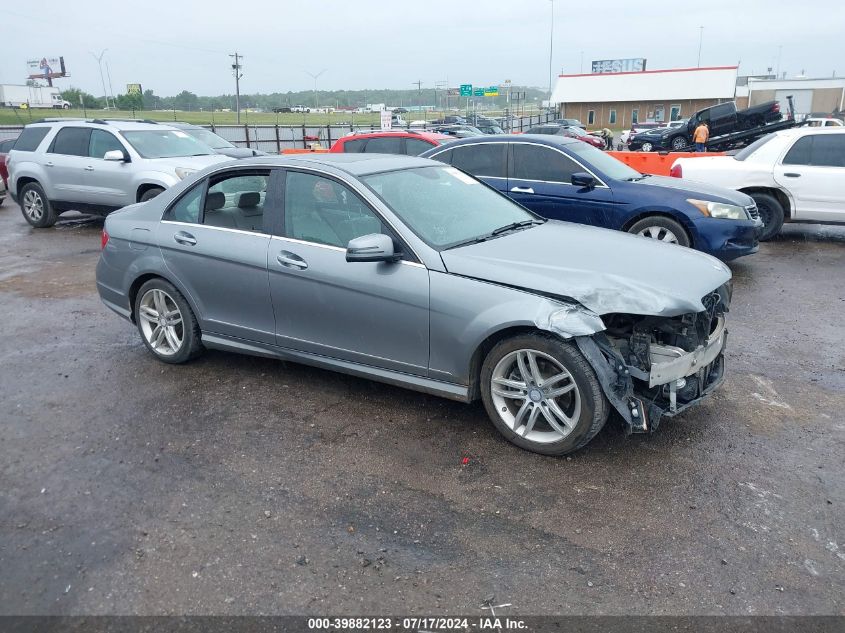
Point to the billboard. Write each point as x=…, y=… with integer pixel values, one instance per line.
x=45, y=68
x=133, y=89
x=633, y=65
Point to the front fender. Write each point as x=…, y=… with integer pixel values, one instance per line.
x=155, y=178
x=459, y=327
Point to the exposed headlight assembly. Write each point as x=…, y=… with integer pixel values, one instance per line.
x=719, y=209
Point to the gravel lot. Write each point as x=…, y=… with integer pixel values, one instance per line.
x=239, y=485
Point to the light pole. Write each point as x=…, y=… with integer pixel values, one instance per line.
x=551, y=47
x=700, y=40
x=99, y=59
x=315, y=77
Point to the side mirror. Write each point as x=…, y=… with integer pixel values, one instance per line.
x=583, y=179
x=375, y=247
x=117, y=156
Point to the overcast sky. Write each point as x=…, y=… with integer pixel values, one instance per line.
x=176, y=45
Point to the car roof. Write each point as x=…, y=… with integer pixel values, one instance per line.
x=803, y=131
x=433, y=136
x=354, y=164
x=115, y=124
x=542, y=139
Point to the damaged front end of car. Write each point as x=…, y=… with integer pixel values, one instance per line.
x=656, y=366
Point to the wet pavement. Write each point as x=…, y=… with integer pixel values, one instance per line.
x=238, y=485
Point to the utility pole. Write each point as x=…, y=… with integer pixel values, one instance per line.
x=315, y=77
x=551, y=48
x=777, y=72
x=99, y=59
x=418, y=84
x=700, y=40
x=236, y=71
x=111, y=90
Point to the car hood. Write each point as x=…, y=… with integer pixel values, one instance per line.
x=605, y=271
x=705, y=191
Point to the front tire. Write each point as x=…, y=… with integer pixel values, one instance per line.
x=771, y=212
x=661, y=228
x=542, y=395
x=36, y=208
x=149, y=194
x=166, y=323
x=647, y=147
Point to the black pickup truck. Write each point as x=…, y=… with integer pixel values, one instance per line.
x=727, y=125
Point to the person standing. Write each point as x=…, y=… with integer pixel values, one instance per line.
x=700, y=136
x=608, y=138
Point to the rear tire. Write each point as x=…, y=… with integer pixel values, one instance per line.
x=771, y=212
x=519, y=379
x=166, y=323
x=661, y=228
x=36, y=208
x=149, y=194
x=679, y=143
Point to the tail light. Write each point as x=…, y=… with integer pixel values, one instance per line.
x=676, y=171
x=104, y=239
x=776, y=107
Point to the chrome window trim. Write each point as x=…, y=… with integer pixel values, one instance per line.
x=216, y=228
x=565, y=155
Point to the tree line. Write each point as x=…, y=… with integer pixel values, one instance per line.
x=189, y=101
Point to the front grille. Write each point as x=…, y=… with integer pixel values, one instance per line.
x=753, y=213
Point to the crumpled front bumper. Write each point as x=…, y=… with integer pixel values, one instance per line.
x=670, y=363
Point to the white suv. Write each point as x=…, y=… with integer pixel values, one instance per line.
x=97, y=165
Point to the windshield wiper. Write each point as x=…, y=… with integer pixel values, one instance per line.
x=515, y=225
x=472, y=240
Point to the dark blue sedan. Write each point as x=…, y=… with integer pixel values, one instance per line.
x=564, y=179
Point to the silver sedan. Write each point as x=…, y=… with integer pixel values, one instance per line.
x=410, y=272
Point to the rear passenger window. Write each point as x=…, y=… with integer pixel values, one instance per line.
x=30, y=138
x=828, y=150
x=71, y=141
x=415, y=146
x=484, y=159
x=237, y=202
x=354, y=147
x=534, y=162
x=384, y=145
x=187, y=208
x=799, y=154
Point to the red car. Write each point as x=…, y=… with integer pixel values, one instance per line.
x=408, y=142
x=5, y=146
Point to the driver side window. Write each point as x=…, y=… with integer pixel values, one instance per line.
x=324, y=211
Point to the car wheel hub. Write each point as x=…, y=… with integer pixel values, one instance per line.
x=33, y=206
x=659, y=233
x=535, y=396
x=161, y=322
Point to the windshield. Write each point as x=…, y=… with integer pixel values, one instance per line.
x=603, y=162
x=446, y=207
x=745, y=152
x=577, y=131
x=166, y=143
x=209, y=138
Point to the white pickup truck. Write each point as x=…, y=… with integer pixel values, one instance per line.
x=795, y=175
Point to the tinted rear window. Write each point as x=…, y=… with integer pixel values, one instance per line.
x=31, y=138
x=71, y=141
x=354, y=147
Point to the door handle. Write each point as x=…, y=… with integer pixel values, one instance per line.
x=291, y=260
x=89, y=168
x=183, y=237
x=791, y=174
x=522, y=190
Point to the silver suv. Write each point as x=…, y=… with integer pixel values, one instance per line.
x=98, y=165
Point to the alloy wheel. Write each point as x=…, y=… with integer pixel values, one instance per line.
x=161, y=322
x=33, y=205
x=535, y=396
x=647, y=147
x=659, y=233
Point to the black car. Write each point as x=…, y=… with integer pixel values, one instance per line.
x=281, y=109
x=458, y=131
x=571, y=123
